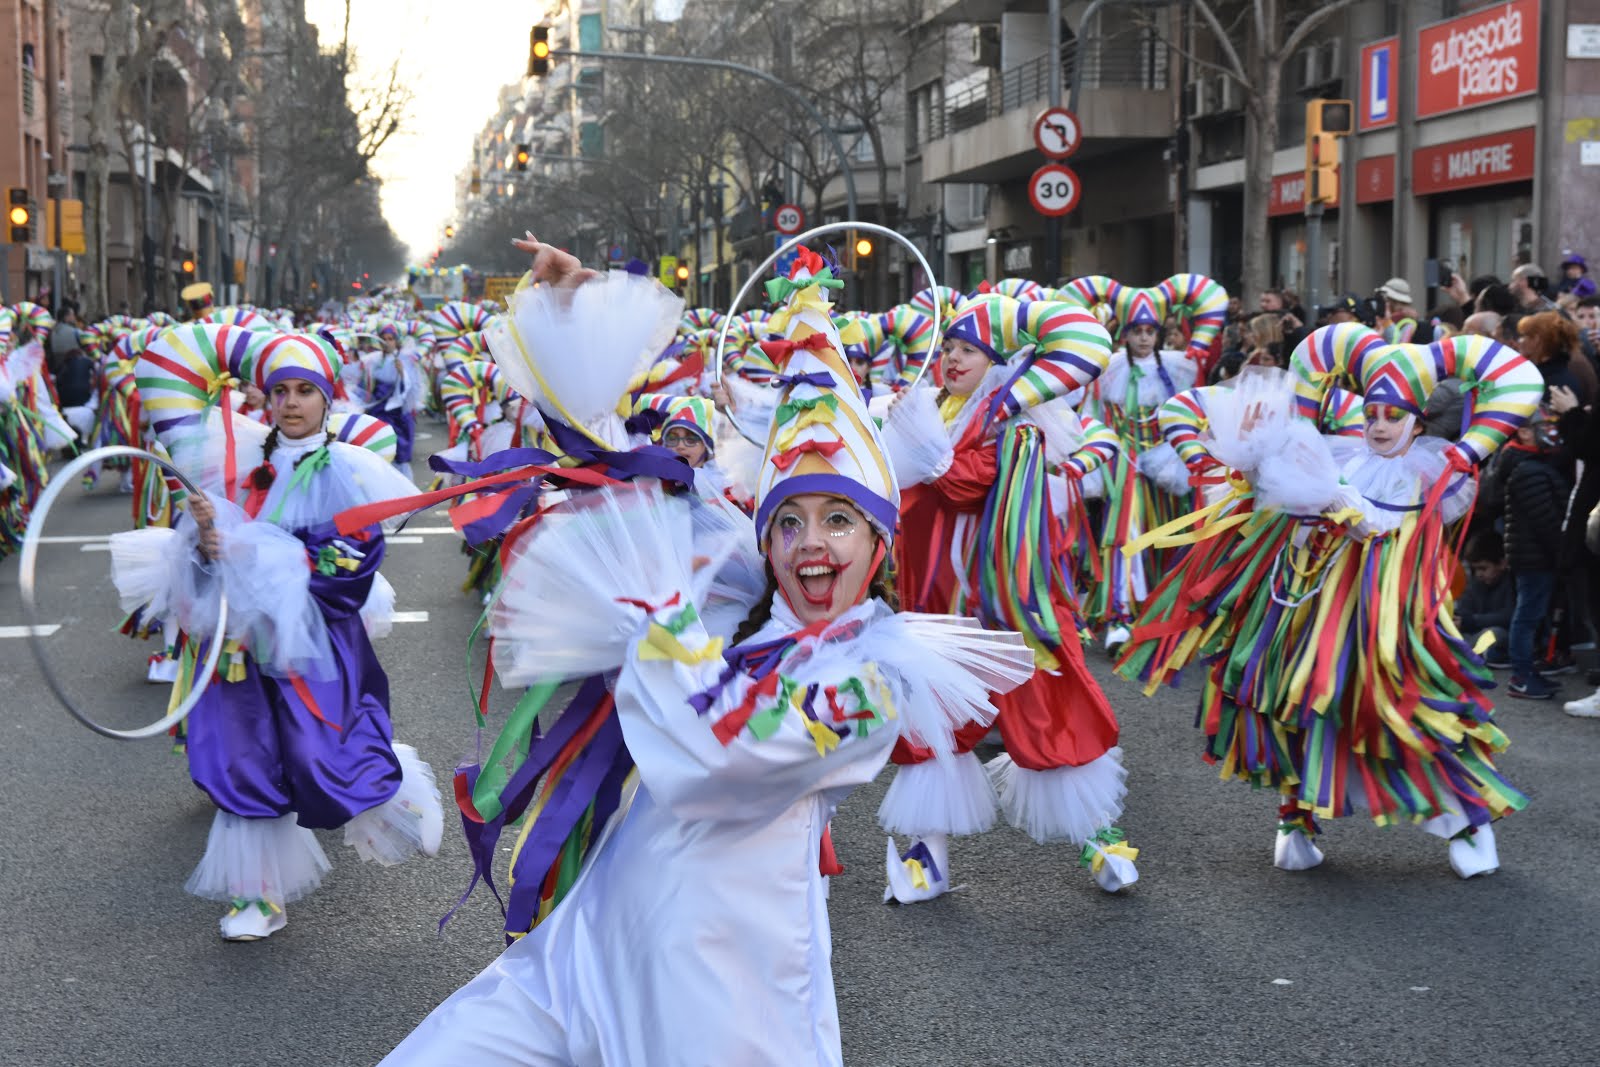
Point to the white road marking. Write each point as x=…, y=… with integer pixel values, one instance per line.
x=101, y=546
x=422, y=435
x=45, y=630
x=74, y=539
x=402, y=539
x=430, y=529
x=409, y=616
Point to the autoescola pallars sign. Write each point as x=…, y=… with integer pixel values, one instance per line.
x=1481, y=58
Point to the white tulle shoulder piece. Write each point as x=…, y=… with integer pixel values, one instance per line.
x=354, y=476
x=943, y=669
x=561, y=610
x=1392, y=487
x=1151, y=389
x=1250, y=419
x=377, y=612
x=573, y=351
x=201, y=451
x=915, y=438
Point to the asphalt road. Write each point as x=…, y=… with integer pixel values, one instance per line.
x=1381, y=956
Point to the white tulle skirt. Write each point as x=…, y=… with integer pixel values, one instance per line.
x=1064, y=803
x=393, y=831
x=940, y=796
x=276, y=860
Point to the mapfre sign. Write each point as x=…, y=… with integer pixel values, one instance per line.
x=1481, y=58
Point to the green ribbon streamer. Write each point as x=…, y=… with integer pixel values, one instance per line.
x=1105, y=838
x=781, y=289
x=314, y=462
x=327, y=560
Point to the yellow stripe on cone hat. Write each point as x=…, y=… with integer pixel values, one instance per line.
x=822, y=440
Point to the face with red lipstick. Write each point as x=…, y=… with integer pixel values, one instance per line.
x=964, y=366
x=822, y=552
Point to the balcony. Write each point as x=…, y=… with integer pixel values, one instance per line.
x=984, y=132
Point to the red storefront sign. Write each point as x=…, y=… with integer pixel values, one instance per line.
x=1476, y=59
x=1289, y=194
x=1375, y=180
x=1499, y=157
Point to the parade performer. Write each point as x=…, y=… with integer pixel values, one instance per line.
x=1317, y=596
x=697, y=929
x=295, y=734
x=1146, y=485
x=980, y=539
x=394, y=390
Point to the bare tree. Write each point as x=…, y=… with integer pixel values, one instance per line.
x=1255, y=40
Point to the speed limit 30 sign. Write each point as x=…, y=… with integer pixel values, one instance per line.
x=1054, y=190
x=788, y=219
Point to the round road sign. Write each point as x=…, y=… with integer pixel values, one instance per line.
x=1054, y=189
x=788, y=219
x=1056, y=132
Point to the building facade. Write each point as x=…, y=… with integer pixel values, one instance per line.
x=35, y=111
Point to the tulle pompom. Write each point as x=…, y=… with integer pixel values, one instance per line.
x=573, y=351
x=940, y=796
x=568, y=602
x=1299, y=475
x=1249, y=420
x=1063, y=803
x=407, y=823
x=915, y=438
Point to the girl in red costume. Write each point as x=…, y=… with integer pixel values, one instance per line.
x=981, y=539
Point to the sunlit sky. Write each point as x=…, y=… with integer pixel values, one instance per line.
x=455, y=56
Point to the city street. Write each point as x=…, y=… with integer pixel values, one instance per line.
x=1381, y=956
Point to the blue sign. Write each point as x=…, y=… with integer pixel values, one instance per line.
x=786, y=261
x=1378, y=76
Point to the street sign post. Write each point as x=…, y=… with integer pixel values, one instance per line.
x=1054, y=190
x=788, y=219
x=1056, y=132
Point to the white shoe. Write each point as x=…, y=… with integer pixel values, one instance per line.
x=1294, y=851
x=1474, y=853
x=163, y=670
x=920, y=873
x=252, y=920
x=1586, y=708
x=126, y=485
x=1115, y=873
x=1117, y=635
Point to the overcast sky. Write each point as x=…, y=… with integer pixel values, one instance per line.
x=455, y=56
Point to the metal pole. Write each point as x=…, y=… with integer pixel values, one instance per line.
x=1313, y=256
x=723, y=64
x=1052, y=225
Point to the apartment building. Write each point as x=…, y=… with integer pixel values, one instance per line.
x=35, y=108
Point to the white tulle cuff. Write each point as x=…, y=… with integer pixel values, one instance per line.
x=951, y=795
x=915, y=438
x=1063, y=803
x=407, y=823
x=276, y=860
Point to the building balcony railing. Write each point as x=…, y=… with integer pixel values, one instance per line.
x=1029, y=83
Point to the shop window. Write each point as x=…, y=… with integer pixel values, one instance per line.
x=590, y=32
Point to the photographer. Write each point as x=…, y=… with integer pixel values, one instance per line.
x=1529, y=286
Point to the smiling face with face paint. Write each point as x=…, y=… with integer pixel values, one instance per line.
x=822, y=552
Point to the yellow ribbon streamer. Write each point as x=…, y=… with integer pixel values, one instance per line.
x=661, y=643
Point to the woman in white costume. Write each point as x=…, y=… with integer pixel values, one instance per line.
x=698, y=931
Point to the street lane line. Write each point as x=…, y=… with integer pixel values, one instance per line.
x=430, y=529
x=74, y=539
x=409, y=616
x=98, y=546
x=45, y=630
x=402, y=539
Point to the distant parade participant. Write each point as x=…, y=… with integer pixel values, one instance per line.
x=197, y=300
x=1317, y=597
x=295, y=734
x=979, y=538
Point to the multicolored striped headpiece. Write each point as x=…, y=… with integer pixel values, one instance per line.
x=364, y=431
x=184, y=370
x=37, y=318
x=1140, y=307
x=822, y=439
x=1331, y=360
x=248, y=318
x=306, y=357
x=1502, y=388
x=1204, y=304
x=694, y=413
x=1070, y=348
x=456, y=317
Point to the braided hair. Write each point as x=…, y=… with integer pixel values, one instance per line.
x=262, y=477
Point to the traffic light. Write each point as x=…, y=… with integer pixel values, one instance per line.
x=863, y=248
x=683, y=272
x=187, y=265
x=524, y=154
x=539, y=52
x=19, y=215
x=449, y=232
x=1326, y=122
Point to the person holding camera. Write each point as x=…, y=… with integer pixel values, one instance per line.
x=1529, y=286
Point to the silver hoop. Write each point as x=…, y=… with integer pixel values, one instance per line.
x=795, y=242
x=25, y=581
